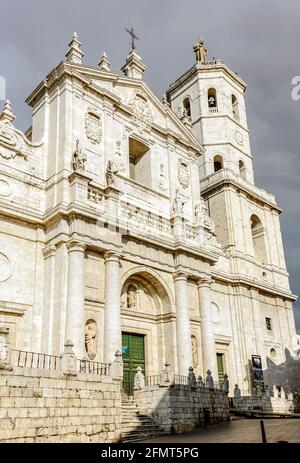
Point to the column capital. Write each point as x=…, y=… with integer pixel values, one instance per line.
x=74, y=245
x=112, y=256
x=49, y=251
x=204, y=281
x=180, y=276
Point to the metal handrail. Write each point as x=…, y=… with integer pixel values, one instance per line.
x=96, y=368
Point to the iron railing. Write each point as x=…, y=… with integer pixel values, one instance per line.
x=27, y=359
x=96, y=368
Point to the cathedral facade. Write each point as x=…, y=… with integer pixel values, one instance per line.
x=133, y=224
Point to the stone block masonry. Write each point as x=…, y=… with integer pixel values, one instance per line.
x=182, y=408
x=44, y=406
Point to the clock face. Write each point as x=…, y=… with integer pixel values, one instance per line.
x=239, y=137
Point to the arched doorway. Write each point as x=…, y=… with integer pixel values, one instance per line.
x=147, y=326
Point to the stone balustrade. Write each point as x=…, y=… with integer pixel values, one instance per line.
x=227, y=174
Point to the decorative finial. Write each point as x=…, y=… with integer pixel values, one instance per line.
x=200, y=51
x=74, y=55
x=133, y=37
x=7, y=114
x=104, y=64
x=133, y=67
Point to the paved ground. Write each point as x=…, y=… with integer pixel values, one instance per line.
x=240, y=431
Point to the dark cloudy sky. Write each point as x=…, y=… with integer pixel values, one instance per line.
x=258, y=39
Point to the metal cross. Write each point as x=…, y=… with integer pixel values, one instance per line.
x=133, y=37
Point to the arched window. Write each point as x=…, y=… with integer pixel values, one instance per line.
x=212, y=100
x=218, y=163
x=235, y=107
x=242, y=169
x=258, y=239
x=187, y=107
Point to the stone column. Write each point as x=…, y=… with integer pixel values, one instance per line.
x=207, y=329
x=112, y=312
x=183, y=327
x=75, y=318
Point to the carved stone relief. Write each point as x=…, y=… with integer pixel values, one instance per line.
x=93, y=126
x=183, y=173
x=142, y=115
x=12, y=142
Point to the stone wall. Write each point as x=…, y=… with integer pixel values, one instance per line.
x=180, y=408
x=45, y=406
x=266, y=404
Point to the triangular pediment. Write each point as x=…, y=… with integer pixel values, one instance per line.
x=135, y=96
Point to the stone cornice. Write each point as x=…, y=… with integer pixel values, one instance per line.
x=13, y=308
x=252, y=283
x=198, y=68
x=222, y=182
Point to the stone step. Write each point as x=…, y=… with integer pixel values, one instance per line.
x=138, y=437
x=141, y=424
x=136, y=426
x=136, y=419
x=130, y=410
x=129, y=407
x=138, y=429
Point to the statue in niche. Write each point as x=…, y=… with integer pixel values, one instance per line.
x=178, y=202
x=202, y=217
x=200, y=51
x=131, y=297
x=198, y=212
x=195, y=351
x=79, y=159
x=90, y=339
x=162, y=178
x=118, y=159
x=110, y=174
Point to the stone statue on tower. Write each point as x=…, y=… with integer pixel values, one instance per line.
x=200, y=51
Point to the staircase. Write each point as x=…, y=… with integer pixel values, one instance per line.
x=134, y=425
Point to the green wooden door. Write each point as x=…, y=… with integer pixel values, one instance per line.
x=220, y=365
x=133, y=352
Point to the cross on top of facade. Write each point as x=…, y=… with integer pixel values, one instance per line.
x=133, y=37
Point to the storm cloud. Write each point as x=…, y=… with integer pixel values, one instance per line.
x=258, y=39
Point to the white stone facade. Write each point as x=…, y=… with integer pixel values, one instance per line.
x=113, y=220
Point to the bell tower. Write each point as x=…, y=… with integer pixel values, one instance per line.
x=213, y=97
x=210, y=99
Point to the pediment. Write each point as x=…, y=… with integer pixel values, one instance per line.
x=135, y=96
